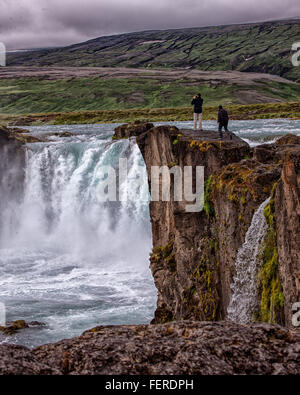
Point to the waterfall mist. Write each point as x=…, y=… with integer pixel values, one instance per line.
x=67, y=258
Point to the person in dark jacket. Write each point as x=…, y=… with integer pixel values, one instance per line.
x=197, y=102
x=223, y=120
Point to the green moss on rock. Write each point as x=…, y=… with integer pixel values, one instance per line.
x=271, y=293
x=165, y=255
x=208, y=203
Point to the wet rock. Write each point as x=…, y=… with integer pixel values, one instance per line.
x=184, y=347
x=19, y=130
x=265, y=153
x=17, y=135
x=130, y=130
x=17, y=360
x=63, y=134
x=14, y=327
x=288, y=139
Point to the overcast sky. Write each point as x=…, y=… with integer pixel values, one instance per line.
x=42, y=23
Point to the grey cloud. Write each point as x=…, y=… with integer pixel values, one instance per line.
x=39, y=23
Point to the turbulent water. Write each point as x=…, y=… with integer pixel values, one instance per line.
x=66, y=258
x=72, y=261
x=257, y=131
x=244, y=288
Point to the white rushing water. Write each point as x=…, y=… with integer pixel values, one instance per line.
x=244, y=288
x=66, y=258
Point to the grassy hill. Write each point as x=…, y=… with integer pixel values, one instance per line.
x=260, y=47
x=35, y=90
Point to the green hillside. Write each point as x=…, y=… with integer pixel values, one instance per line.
x=56, y=90
x=261, y=47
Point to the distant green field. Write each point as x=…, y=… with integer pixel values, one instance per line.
x=253, y=111
x=36, y=95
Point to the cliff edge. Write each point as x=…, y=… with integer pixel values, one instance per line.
x=194, y=256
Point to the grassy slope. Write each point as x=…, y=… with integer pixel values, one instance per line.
x=261, y=47
x=254, y=111
x=36, y=95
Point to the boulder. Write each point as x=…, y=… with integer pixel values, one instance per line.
x=131, y=130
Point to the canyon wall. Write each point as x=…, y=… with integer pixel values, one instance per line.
x=194, y=254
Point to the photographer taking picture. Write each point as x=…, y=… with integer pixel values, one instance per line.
x=197, y=102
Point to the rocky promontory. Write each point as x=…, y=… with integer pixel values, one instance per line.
x=194, y=254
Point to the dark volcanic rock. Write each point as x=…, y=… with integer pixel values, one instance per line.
x=288, y=139
x=16, y=360
x=287, y=209
x=64, y=134
x=175, y=348
x=194, y=254
x=13, y=327
x=130, y=130
x=17, y=135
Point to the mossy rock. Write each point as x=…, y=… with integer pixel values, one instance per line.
x=288, y=139
x=164, y=255
x=270, y=288
x=14, y=327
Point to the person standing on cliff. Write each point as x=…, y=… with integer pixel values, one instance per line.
x=197, y=102
x=223, y=120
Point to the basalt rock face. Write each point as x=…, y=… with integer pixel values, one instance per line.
x=130, y=130
x=287, y=208
x=177, y=348
x=194, y=254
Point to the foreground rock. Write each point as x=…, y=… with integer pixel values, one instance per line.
x=175, y=348
x=17, y=360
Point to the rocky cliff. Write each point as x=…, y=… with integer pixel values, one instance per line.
x=194, y=254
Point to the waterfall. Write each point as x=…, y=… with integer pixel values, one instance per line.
x=244, y=288
x=60, y=207
x=67, y=258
